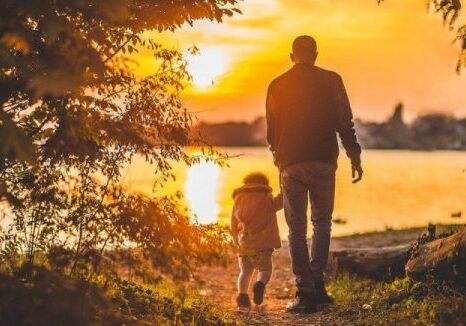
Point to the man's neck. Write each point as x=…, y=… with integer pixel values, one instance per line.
x=305, y=62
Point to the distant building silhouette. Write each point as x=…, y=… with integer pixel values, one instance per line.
x=397, y=117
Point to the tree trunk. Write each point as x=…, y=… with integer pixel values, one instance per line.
x=370, y=262
x=443, y=257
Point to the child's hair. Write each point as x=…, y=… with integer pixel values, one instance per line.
x=256, y=177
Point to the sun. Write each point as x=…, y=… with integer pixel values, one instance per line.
x=206, y=66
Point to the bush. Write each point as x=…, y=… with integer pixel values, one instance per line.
x=37, y=296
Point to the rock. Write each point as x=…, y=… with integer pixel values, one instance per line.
x=442, y=257
x=370, y=262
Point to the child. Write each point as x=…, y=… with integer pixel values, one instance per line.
x=255, y=230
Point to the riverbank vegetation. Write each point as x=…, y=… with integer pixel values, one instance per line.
x=432, y=293
x=40, y=296
x=402, y=301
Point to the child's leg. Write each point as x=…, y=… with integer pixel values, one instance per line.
x=264, y=276
x=246, y=271
x=265, y=267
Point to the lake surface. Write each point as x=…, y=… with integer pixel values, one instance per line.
x=400, y=188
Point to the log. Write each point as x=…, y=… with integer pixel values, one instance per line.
x=370, y=262
x=443, y=257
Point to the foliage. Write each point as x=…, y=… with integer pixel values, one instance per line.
x=45, y=298
x=79, y=229
x=35, y=295
x=152, y=305
x=75, y=114
x=403, y=301
x=66, y=79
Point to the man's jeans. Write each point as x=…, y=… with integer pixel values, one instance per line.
x=316, y=179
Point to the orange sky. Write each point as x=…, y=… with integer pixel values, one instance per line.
x=393, y=52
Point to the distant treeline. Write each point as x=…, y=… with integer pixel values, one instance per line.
x=234, y=133
x=426, y=132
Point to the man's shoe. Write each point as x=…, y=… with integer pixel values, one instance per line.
x=244, y=304
x=322, y=297
x=303, y=304
x=259, y=288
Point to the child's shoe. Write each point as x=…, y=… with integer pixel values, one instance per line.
x=259, y=288
x=244, y=304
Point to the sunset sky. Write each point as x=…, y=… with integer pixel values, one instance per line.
x=389, y=53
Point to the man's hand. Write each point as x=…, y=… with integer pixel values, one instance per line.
x=356, y=172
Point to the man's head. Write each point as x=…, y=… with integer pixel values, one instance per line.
x=304, y=50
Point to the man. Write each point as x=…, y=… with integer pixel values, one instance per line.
x=306, y=107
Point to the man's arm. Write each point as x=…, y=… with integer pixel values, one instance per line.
x=345, y=128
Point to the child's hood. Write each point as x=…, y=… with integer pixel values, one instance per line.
x=251, y=188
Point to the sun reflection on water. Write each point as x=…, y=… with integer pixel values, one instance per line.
x=202, y=182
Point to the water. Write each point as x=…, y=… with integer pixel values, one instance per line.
x=400, y=188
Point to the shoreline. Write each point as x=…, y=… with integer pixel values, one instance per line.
x=391, y=236
x=388, y=237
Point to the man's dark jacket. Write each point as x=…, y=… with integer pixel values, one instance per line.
x=306, y=107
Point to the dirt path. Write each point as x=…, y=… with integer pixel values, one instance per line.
x=220, y=284
x=220, y=287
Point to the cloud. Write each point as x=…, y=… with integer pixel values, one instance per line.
x=395, y=51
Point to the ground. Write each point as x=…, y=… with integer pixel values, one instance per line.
x=218, y=284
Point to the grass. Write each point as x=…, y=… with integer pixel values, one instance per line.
x=44, y=297
x=168, y=304
x=40, y=296
x=402, y=302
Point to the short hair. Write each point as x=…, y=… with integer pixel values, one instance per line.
x=304, y=46
x=256, y=177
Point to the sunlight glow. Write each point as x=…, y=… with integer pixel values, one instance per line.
x=201, y=189
x=206, y=66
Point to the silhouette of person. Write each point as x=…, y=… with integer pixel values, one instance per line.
x=306, y=107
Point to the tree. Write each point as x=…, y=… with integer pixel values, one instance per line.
x=436, y=131
x=67, y=55
x=73, y=114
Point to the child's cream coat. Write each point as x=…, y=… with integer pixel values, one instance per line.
x=254, y=222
